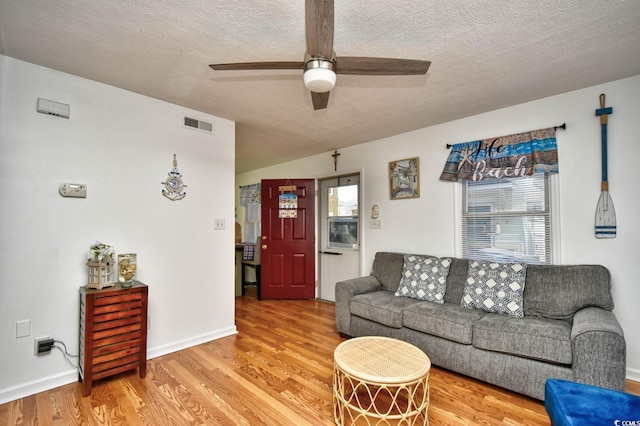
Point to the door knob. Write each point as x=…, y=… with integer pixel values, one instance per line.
x=264, y=246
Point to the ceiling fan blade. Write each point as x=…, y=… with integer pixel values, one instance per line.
x=380, y=66
x=319, y=28
x=284, y=65
x=320, y=100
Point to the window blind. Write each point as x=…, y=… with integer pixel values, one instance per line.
x=507, y=219
x=252, y=213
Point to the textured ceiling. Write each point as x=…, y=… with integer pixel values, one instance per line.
x=486, y=55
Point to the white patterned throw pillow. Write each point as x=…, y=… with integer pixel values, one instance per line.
x=424, y=278
x=495, y=287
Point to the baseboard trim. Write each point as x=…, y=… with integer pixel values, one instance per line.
x=633, y=374
x=50, y=382
x=36, y=386
x=192, y=341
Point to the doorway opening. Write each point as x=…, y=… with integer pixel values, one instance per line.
x=339, y=232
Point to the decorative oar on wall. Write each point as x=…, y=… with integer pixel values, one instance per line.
x=605, y=212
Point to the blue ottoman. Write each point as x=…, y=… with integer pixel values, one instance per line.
x=570, y=403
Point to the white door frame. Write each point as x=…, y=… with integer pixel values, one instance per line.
x=326, y=256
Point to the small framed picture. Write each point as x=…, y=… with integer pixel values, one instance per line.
x=404, y=178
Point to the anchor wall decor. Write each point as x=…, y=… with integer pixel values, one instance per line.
x=173, y=183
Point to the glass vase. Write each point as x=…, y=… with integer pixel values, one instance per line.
x=127, y=269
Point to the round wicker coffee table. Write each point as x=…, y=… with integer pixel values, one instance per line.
x=380, y=381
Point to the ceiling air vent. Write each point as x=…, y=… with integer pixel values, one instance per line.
x=194, y=123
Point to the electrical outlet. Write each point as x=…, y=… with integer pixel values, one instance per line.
x=42, y=345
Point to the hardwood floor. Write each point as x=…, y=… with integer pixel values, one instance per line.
x=276, y=371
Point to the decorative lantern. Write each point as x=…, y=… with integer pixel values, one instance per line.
x=101, y=265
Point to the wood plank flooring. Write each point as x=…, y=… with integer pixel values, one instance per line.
x=276, y=371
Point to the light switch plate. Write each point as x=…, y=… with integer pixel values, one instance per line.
x=219, y=224
x=23, y=328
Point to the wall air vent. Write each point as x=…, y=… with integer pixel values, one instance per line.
x=194, y=123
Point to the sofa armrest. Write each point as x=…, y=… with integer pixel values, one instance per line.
x=345, y=290
x=599, y=348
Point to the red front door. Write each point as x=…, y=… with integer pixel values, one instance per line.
x=288, y=243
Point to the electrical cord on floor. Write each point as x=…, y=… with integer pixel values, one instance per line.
x=65, y=353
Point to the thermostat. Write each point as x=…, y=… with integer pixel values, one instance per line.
x=77, y=190
x=45, y=106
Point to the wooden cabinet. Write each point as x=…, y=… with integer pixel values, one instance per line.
x=113, y=332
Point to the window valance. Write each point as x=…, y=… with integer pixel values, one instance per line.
x=250, y=194
x=502, y=157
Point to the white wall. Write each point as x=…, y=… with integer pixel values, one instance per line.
x=426, y=225
x=121, y=145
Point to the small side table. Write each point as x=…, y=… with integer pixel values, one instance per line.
x=113, y=332
x=380, y=381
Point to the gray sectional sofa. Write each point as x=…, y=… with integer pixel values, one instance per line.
x=568, y=330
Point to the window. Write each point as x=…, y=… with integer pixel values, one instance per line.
x=251, y=222
x=507, y=219
x=250, y=200
x=342, y=216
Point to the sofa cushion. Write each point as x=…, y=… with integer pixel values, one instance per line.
x=448, y=321
x=559, y=291
x=387, y=268
x=380, y=306
x=424, y=278
x=495, y=287
x=530, y=337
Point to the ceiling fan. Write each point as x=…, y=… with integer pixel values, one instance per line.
x=320, y=63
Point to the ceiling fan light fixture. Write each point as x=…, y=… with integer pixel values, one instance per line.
x=319, y=75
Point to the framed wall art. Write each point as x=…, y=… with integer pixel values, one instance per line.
x=404, y=178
